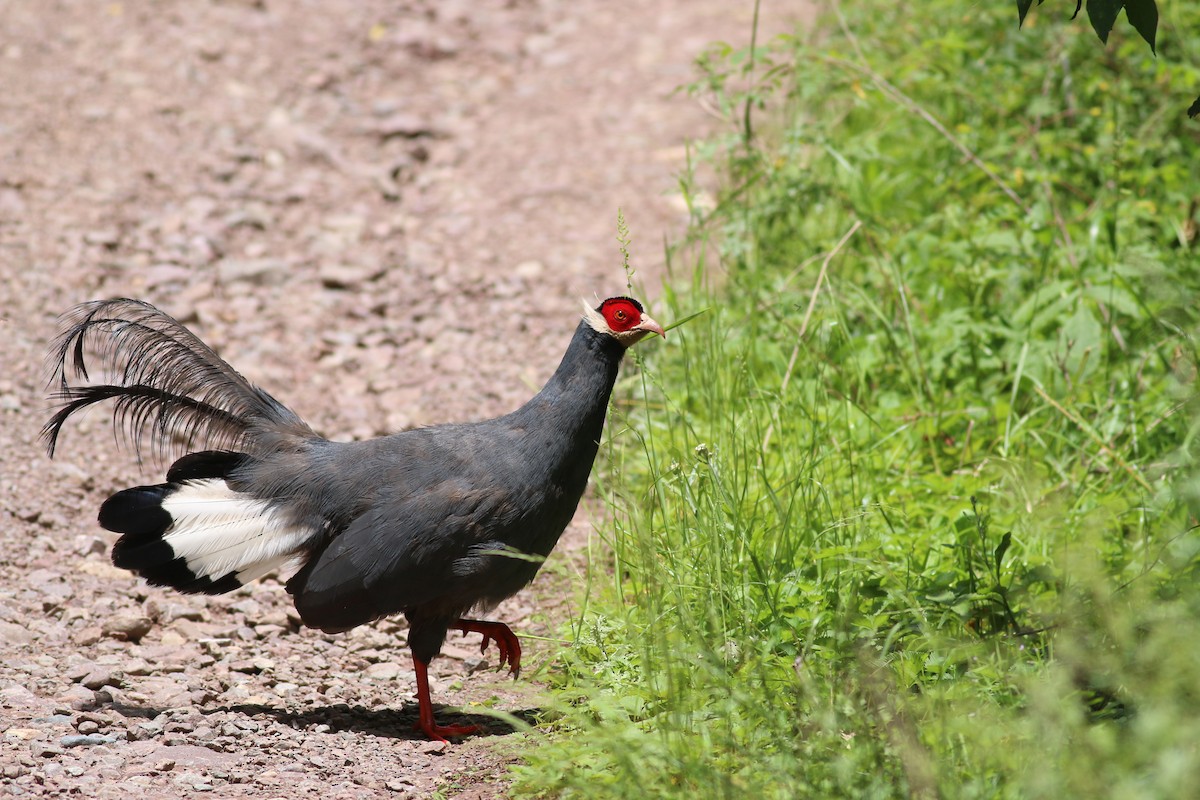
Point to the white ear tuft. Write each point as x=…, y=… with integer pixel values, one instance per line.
x=595, y=319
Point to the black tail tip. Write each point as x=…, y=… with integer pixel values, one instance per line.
x=137, y=512
x=206, y=464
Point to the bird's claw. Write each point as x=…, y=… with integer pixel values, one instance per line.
x=506, y=641
x=506, y=654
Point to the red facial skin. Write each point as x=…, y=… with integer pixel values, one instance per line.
x=620, y=313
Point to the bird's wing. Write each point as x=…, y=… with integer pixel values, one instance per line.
x=401, y=553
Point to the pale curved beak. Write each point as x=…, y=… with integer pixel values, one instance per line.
x=650, y=326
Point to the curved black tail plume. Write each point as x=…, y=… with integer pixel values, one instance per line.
x=167, y=383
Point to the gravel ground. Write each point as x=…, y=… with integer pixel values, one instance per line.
x=383, y=212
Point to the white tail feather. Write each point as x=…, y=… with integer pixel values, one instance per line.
x=217, y=530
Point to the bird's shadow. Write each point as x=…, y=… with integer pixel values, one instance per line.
x=384, y=722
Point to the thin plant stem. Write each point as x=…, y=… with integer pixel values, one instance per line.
x=812, y=302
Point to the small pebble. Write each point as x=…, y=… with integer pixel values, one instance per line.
x=44, y=750
x=127, y=627
x=100, y=677
x=145, y=730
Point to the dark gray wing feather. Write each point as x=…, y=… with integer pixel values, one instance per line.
x=398, y=555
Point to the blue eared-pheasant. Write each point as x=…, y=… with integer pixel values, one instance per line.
x=430, y=523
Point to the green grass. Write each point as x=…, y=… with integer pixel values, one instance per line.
x=909, y=511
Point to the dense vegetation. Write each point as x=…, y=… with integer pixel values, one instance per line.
x=906, y=512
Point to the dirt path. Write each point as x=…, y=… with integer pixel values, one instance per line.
x=386, y=213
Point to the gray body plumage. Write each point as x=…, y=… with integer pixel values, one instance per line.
x=429, y=522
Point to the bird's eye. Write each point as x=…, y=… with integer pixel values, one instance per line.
x=620, y=315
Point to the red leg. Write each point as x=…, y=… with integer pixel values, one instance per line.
x=425, y=721
x=506, y=641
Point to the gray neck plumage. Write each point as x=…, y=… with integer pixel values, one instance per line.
x=572, y=405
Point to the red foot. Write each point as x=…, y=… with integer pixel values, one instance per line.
x=425, y=721
x=438, y=733
x=506, y=641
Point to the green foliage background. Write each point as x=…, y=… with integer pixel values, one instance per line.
x=906, y=513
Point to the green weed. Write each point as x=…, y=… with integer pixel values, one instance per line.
x=907, y=512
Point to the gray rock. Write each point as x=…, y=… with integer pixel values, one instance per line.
x=88, y=740
x=109, y=238
x=90, y=545
x=86, y=637
x=405, y=126
x=100, y=677
x=176, y=611
x=204, y=733
x=160, y=274
x=57, y=719
x=432, y=748
x=43, y=749
x=191, y=756
x=269, y=631
x=13, y=634
x=17, y=696
x=138, y=667
x=383, y=671
x=127, y=627
x=146, y=730
x=258, y=271
x=348, y=276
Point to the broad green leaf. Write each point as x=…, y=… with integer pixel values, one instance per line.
x=1001, y=549
x=1083, y=331
x=1143, y=15
x=1103, y=15
x=1115, y=297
